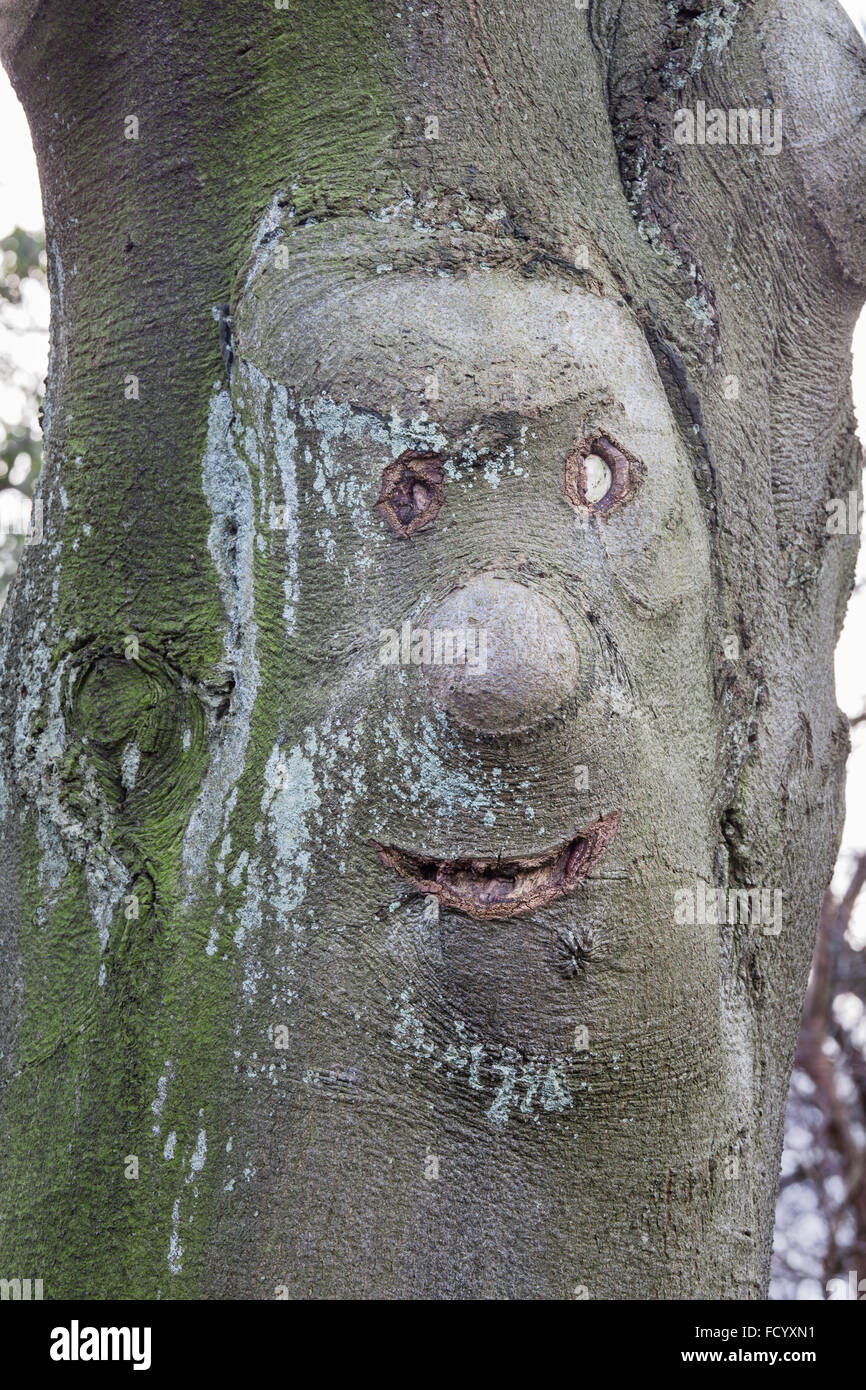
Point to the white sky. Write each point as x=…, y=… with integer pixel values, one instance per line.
x=20, y=205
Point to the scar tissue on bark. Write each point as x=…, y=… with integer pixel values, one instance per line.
x=599, y=475
x=574, y=949
x=413, y=489
x=485, y=888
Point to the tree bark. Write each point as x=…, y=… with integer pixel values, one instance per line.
x=276, y=1019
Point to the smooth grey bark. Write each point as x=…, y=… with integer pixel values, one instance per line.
x=338, y=236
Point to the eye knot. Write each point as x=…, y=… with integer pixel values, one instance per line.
x=599, y=475
x=413, y=489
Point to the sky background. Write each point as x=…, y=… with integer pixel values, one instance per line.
x=20, y=205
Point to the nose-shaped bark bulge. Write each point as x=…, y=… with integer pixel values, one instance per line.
x=521, y=663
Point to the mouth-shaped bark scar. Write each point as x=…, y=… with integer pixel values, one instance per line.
x=505, y=887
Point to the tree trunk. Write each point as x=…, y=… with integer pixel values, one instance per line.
x=328, y=972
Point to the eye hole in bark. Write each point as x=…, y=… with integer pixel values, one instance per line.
x=599, y=476
x=413, y=489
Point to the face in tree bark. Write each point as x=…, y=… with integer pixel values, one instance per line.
x=420, y=763
x=495, y=785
